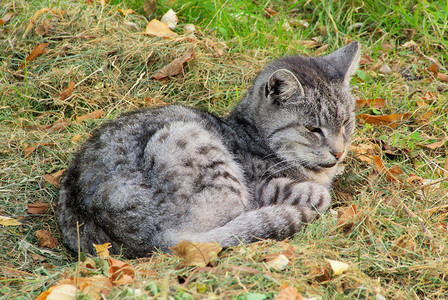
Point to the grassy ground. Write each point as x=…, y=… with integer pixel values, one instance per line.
x=396, y=241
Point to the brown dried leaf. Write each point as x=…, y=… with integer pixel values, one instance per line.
x=310, y=43
x=30, y=149
x=425, y=118
x=88, y=266
x=392, y=120
x=375, y=103
x=365, y=152
x=6, y=18
x=381, y=169
x=434, y=69
x=289, y=293
x=76, y=138
x=33, y=19
x=67, y=91
x=7, y=221
x=53, y=178
x=197, y=254
x=435, y=145
x=159, y=29
x=38, y=208
x=269, y=12
x=175, y=67
x=103, y=250
x=46, y=239
x=44, y=28
x=346, y=214
x=149, y=6
x=366, y=59
x=38, y=51
x=443, y=77
x=93, y=115
x=120, y=272
x=445, y=167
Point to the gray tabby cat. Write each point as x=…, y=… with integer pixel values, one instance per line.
x=152, y=178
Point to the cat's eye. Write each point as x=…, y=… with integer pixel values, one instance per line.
x=313, y=129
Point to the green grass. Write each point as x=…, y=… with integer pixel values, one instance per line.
x=396, y=244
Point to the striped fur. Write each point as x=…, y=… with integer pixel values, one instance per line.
x=151, y=178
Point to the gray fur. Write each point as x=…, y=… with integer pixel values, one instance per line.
x=151, y=178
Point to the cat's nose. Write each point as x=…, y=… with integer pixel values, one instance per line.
x=338, y=154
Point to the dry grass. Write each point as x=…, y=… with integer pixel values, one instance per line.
x=396, y=243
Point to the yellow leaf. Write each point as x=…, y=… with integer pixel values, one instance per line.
x=289, y=293
x=103, y=250
x=279, y=262
x=60, y=292
x=160, y=29
x=6, y=221
x=338, y=267
x=197, y=254
x=126, y=11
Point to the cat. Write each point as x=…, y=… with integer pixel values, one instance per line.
x=153, y=177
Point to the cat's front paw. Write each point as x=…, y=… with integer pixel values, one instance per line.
x=313, y=195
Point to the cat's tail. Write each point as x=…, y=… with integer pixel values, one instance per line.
x=268, y=222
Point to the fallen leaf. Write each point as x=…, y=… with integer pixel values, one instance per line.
x=7, y=221
x=392, y=120
x=103, y=250
x=53, y=179
x=309, y=43
x=94, y=287
x=375, y=103
x=159, y=29
x=30, y=149
x=364, y=152
x=429, y=96
x=269, y=12
x=149, y=6
x=175, y=67
x=278, y=262
x=88, y=266
x=76, y=138
x=44, y=28
x=366, y=59
x=434, y=69
x=6, y=18
x=38, y=208
x=120, y=272
x=338, y=267
x=38, y=51
x=197, y=254
x=381, y=169
x=57, y=126
x=385, y=69
x=346, y=215
x=67, y=91
x=425, y=118
x=93, y=115
x=126, y=12
x=59, y=292
x=443, y=77
x=289, y=293
x=33, y=19
x=46, y=239
x=435, y=145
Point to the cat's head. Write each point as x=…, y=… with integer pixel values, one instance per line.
x=304, y=109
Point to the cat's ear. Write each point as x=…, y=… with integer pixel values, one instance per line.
x=345, y=61
x=283, y=86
